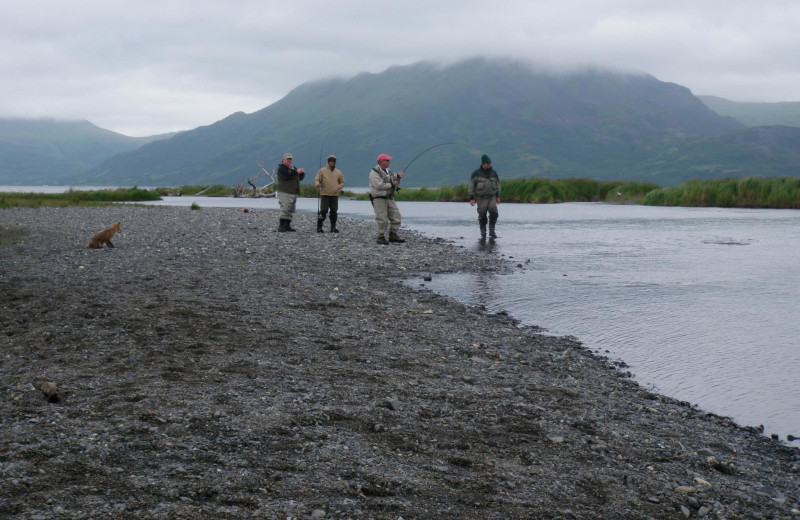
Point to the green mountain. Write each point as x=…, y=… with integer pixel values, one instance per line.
x=592, y=123
x=756, y=114
x=533, y=122
x=45, y=151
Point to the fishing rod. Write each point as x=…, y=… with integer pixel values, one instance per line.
x=319, y=190
x=423, y=152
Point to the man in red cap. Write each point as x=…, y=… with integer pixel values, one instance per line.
x=382, y=185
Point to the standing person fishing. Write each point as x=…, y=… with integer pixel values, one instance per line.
x=382, y=186
x=484, y=189
x=329, y=181
x=289, y=179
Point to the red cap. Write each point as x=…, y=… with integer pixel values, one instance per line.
x=384, y=157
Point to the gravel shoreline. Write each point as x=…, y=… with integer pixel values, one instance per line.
x=210, y=367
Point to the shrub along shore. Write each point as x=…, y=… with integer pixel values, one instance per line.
x=748, y=192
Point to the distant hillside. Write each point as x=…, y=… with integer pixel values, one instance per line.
x=756, y=114
x=591, y=123
x=45, y=151
x=765, y=151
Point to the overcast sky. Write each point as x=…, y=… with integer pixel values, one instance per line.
x=146, y=67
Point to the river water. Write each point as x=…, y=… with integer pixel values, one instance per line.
x=701, y=303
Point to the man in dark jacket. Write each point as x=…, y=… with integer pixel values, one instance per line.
x=484, y=189
x=289, y=179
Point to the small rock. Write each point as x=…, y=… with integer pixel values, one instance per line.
x=686, y=511
x=391, y=403
x=49, y=390
x=318, y=513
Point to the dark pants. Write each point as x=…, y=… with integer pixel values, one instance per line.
x=327, y=202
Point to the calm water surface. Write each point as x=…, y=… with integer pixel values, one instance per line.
x=701, y=303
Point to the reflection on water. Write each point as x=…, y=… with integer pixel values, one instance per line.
x=487, y=245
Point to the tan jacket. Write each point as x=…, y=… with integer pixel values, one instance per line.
x=332, y=181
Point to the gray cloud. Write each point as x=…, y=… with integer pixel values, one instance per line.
x=148, y=67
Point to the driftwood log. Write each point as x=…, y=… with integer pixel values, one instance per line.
x=241, y=190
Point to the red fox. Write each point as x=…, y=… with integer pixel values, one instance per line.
x=103, y=237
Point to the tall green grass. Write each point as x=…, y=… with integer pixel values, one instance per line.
x=538, y=191
x=205, y=190
x=749, y=192
x=76, y=198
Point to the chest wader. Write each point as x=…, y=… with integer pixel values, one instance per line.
x=492, y=220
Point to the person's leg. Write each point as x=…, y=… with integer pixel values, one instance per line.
x=493, y=214
x=291, y=204
x=284, y=216
x=323, y=210
x=334, y=205
x=395, y=220
x=483, y=206
x=381, y=217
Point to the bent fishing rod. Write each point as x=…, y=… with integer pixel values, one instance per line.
x=426, y=150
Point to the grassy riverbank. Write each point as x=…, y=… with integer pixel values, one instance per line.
x=76, y=198
x=750, y=192
x=540, y=191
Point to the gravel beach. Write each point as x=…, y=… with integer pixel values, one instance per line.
x=209, y=367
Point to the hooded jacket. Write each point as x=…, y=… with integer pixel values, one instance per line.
x=332, y=181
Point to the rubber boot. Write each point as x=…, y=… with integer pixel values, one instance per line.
x=492, y=221
x=482, y=222
x=394, y=238
x=284, y=225
x=320, y=220
x=334, y=218
x=382, y=240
